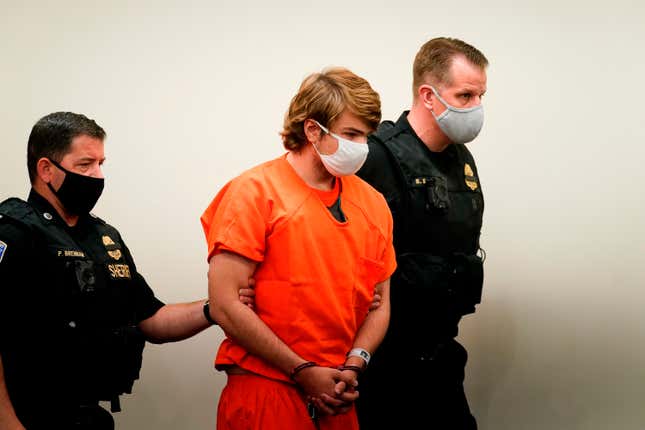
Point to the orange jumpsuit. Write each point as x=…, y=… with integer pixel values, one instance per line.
x=314, y=281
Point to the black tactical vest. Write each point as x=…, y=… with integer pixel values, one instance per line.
x=87, y=282
x=437, y=214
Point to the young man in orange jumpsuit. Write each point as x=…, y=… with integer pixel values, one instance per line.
x=318, y=241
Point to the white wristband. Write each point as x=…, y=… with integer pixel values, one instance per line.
x=360, y=352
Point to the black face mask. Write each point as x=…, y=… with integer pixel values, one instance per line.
x=78, y=193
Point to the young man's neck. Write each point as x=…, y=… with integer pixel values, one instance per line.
x=310, y=169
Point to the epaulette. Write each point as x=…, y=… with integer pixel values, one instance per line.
x=386, y=130
x=97, y=219
x=16, y=209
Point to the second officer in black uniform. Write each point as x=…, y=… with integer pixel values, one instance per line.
x=74, y=311
x=430, y=182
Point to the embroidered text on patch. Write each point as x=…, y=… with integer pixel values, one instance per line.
x=119, y=271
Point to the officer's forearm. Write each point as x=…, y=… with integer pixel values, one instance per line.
x=175, y=322
x=8, y=418
x=371, y=333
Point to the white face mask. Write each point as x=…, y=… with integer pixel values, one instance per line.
x=460, y=125
x=348, y=158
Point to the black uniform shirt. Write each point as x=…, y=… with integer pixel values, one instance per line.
x=37, y=356
x=421, y=229
x=380, y=169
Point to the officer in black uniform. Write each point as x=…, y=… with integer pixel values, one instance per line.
x=430, y=182
x=74, y=311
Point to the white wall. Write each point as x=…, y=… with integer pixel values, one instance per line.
x=192, y=93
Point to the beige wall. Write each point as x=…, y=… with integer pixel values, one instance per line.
x=191, y=94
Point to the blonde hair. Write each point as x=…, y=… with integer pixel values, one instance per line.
x=432, y=62
x=323, y=97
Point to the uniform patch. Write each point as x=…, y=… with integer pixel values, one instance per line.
x=116, y=254
x=3, y=248
x=107, y=240
x=119, y=271
x=471, y=181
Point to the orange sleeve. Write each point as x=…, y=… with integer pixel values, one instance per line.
x=237, y=219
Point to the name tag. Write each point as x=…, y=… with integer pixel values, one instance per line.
x=70, y=253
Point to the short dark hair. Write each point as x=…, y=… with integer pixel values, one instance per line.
x=52, y=136
x=432, y=62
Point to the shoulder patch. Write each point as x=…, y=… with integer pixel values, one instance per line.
x=3, y=248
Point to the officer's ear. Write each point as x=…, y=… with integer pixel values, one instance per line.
x=45, y=170
x=426, y=96
x=313, y=133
